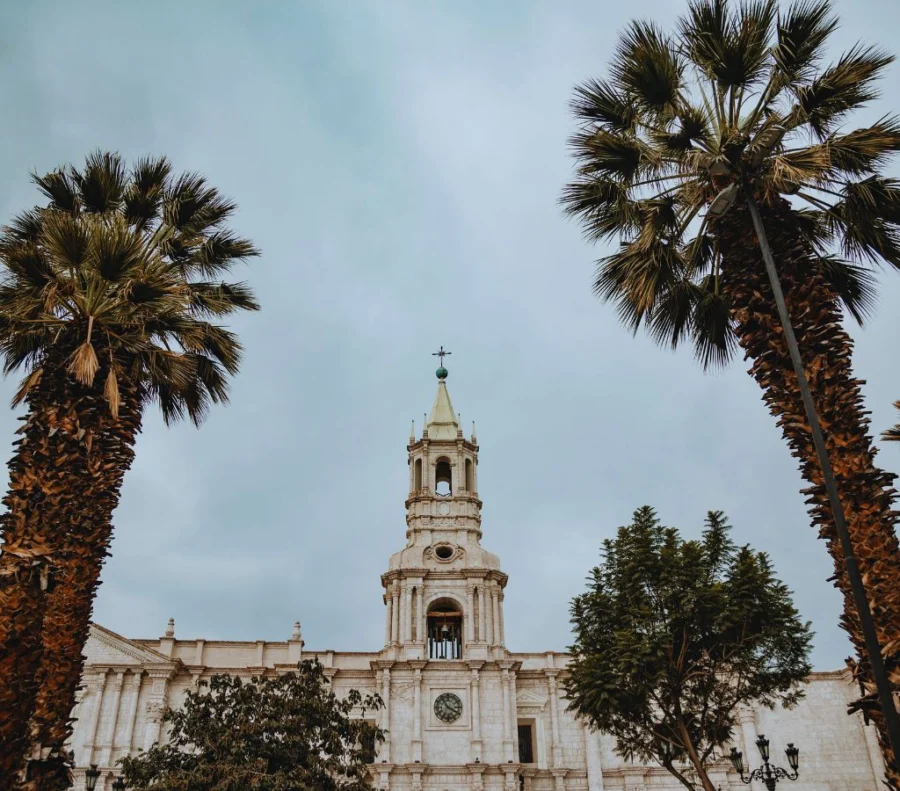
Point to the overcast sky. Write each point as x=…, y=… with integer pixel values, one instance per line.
x=399, y=165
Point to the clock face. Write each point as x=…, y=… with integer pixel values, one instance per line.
x=448, y=707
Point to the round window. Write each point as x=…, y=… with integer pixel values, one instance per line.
x=444, y=552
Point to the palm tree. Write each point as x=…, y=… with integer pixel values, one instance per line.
x=707, y=150
x=109, y=299
x=893, y=434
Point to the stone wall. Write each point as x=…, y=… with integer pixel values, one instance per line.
x=128, y=683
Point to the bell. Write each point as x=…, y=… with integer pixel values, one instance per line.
x=445, y=631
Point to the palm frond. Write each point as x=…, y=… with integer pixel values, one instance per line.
x=598, y=102
x=730, y=48
x=802, y=33
x=64, y=238
x=101, y=182
x=58, y=187
x=690, y=127
x=603, y=205
x=845, y=86
x=608, y=154
x=715, y=342
x=218, y=299
x=863, y=151
x=893, y=434
x=120, y=251
x=144, y=196
x=24, y=227
x=854, y=285
x=866, y=220
x=648, y=70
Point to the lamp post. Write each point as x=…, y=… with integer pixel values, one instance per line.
x=119, y=784
x=770, y=775
x=90, y=778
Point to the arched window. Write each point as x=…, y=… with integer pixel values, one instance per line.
x=444, y=630
x=418, y=474
x=443, y=479
x=470, y=476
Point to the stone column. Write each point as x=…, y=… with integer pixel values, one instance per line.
x=556, y=746
x=401, y=636
x=495, y=612
x=514, y=712
x=469, y=616
x=132, y=712
x=96, y=687
x=482, y=635
x=507, y=740
x=420, y=614
x=407, y=620
x=747, y=719
x=395, y=612
x=388, y=606
x=386, y=711
x=500, y=597
x=156, y=705
x=594, y=759
x=417, y=666
x=110, y=737
x=475, y=683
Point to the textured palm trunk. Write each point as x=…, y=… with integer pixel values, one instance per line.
x=65, y=478
x=866, y=491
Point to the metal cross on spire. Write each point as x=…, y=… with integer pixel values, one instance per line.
x=441, y=353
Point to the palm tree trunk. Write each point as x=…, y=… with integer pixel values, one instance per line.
x=865, y=491
x=65, y=477
x=67, y=620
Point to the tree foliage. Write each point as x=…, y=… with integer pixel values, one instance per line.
x=737, y=95
x=120, y=270
x=672, y=636
x=286, y=733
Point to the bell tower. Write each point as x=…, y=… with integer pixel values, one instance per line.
x=443, y=592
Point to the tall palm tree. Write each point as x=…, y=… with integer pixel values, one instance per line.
x=893, y=434
x=707, y=149
x=110, y=296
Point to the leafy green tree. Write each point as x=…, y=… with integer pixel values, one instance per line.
x=112, y=295
x=704, y=141
x=672, y=636
x=285, y=733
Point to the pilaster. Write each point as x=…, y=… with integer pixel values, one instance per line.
x=417, y=666
x=556, y=745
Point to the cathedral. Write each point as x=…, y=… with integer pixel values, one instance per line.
x=461, y=710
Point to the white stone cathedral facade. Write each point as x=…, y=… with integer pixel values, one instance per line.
x=461, y=710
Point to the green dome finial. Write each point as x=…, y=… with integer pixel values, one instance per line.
x=441, y=372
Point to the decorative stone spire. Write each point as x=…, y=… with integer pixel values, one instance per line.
x=442, y=423
x=170, y=628
x=412, y=433
x=296, y=634
x=474, y=440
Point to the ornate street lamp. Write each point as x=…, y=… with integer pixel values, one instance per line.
x=119, y=784
x=770, y=775
x=90, y=777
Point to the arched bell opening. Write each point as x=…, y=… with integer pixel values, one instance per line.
x=418, y=475
x=443, y=478
x=444, y=630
